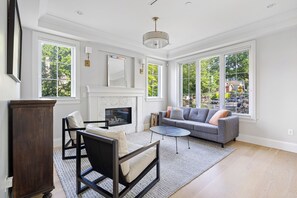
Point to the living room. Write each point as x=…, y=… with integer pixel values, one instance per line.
x=203, y=42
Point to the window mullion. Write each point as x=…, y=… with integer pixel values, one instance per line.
x=198, y=84
x=222, y=81
x=57, y=72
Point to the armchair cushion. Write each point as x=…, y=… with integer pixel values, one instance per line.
x=75, y=121
x=122, y=143
x=139, y=162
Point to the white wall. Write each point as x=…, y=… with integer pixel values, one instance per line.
x=94, y=75
x=9, y=90
x=276, y=82
x=276, y=88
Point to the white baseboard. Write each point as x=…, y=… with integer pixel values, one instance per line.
x=57, y=142
x=287, y=146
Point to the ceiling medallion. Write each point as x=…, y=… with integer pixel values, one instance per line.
x=156, y=39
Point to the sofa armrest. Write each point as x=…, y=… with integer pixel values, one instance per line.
x=228, y=129
x=162, y=115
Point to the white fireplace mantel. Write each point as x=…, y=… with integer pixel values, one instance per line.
x=101, y=97
x=113, y=91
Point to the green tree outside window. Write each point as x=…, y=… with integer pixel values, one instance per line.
x=153, y=80
x=56, y=70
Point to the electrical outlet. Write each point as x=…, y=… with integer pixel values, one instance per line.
x=8, y=183
x=290, y=132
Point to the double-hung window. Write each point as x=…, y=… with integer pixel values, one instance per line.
x=154, y=81
x=222, y=78
x=57, y=67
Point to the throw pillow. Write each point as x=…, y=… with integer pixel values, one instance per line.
x=219, y=114
x=177, y=114
x=169, y=108
x=122, y=143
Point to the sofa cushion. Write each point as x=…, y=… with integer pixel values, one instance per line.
x=169, y=121
x=186, y=124
x=197, y=114
x=211, y=112
x=186, y=112
x=122, y=143
x=177, y=114
x=205, y=127
x=219, y=114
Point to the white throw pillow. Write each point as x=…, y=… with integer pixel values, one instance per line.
x=122, y=142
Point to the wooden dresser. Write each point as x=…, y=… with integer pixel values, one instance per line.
x=31, y=147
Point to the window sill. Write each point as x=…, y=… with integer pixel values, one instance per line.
x=245, y=118
x=154, y=99
x=64, y=100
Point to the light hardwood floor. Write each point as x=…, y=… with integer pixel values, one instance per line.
x=251, y=171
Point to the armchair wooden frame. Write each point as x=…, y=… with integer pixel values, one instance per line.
x=70, y=144
x=98, y=148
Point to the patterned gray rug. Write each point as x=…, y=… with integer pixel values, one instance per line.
x=176, y=170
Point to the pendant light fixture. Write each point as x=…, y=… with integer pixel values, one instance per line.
x=155, y=39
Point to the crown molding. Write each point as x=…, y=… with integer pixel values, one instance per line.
x=86, y=33
x=242, y=34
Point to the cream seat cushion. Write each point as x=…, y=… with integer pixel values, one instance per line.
x=122, y=142
x=133, y=167
x=140, y=161
x=75, y=121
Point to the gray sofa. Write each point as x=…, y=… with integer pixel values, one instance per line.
x=196, y=121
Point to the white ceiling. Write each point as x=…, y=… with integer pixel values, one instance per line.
x=130, y=19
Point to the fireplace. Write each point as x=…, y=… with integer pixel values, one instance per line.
x=118, y=116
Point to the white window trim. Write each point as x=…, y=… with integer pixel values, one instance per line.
x=160, y=81
x=221, y=52
x=36, y=70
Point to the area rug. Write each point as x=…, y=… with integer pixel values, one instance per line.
x=176, y=170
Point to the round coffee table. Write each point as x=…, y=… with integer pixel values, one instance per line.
x=171, y=132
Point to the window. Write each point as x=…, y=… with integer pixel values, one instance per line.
x=189, y=84
x=210, y=82
x=224, y=79
x=237, y=82
x=154, y=81
x=57, y=65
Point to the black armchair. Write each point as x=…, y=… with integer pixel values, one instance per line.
x=70, y=125
x=103, y=154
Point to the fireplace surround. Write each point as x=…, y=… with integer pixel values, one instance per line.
x=100, y=98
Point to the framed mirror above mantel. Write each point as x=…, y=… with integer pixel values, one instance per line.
x=116, y=71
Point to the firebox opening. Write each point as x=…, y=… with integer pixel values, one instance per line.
x=118, y=116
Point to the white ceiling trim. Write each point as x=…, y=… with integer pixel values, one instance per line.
x=242, y=34
x=90, y=34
